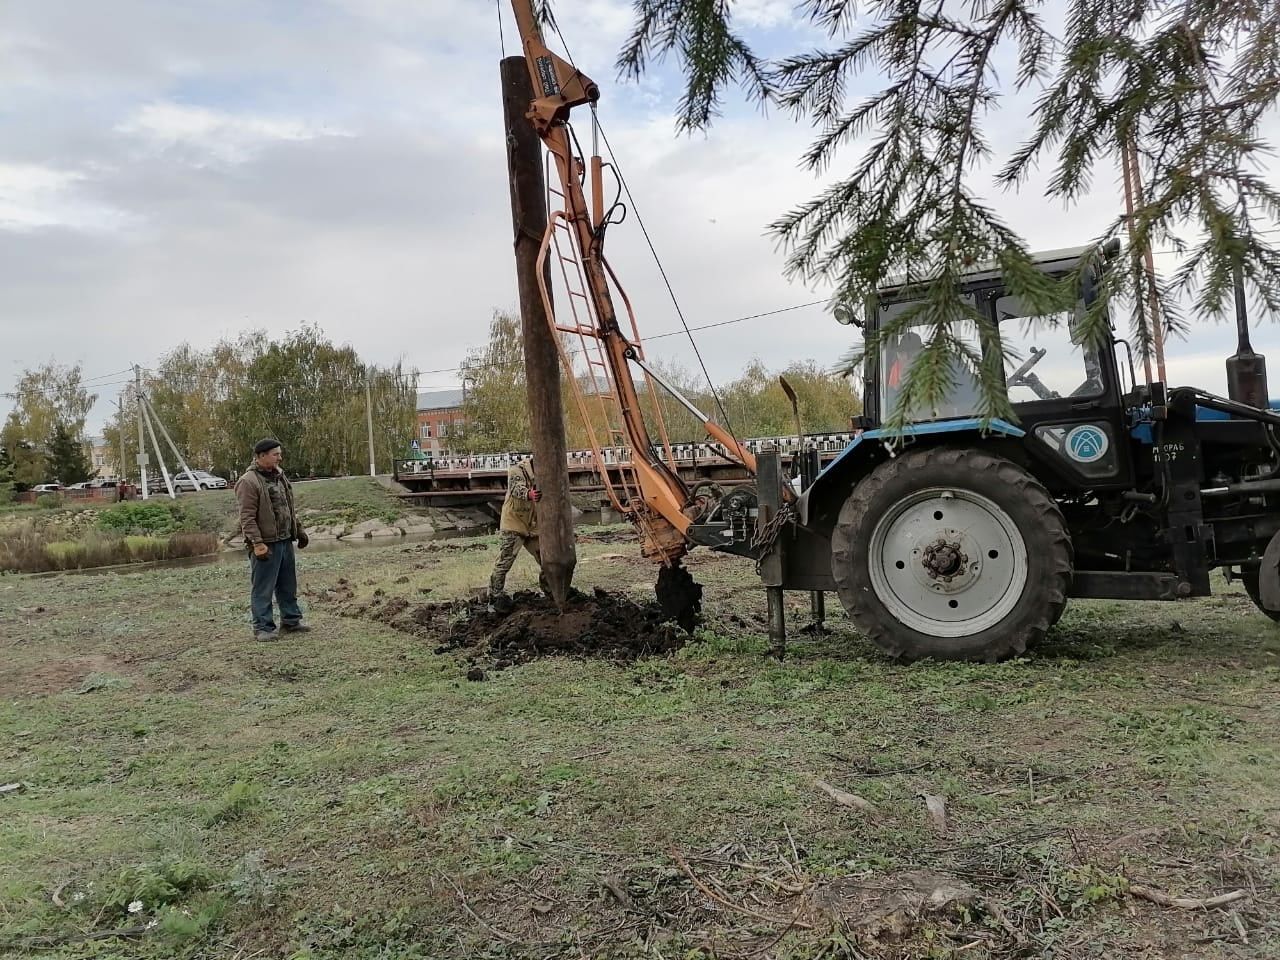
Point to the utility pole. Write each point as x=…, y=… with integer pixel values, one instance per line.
x=164, y=470
x=142, y=441
x=368, y=415
x=120, y=422
x=541, y=356
x=172, y=446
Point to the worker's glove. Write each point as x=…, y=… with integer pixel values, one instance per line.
x=261, y=551
x=303, y=539
x=534, y=494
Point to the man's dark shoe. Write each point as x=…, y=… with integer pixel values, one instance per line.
x=295, y=627
x=266, y=635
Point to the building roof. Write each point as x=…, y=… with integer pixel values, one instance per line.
x=438, y=399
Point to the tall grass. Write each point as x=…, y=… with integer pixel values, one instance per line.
x=24, y=549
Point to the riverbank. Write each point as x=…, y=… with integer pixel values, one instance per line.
x=76, y=535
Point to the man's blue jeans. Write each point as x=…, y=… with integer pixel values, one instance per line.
x=277, y=575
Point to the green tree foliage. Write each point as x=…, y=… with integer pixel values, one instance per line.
x=497, y=414
x=65, y=454
x=6, y=474
x=304, y=390
x=1186, y=84
x=310, y=395
x=45, y=398
x=496, y=408
x=756, y=405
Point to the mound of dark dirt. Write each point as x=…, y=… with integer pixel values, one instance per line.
x=528, y=625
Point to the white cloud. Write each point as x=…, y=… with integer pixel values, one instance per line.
x=765, y=14
x=34, y=196
x=216, y=134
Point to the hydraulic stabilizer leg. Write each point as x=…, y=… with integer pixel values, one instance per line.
x=818, y=611
x=769, y=478
x=777, y=622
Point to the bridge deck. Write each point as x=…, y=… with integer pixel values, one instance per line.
x=460, y=481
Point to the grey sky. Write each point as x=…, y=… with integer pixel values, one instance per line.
x=177, y=171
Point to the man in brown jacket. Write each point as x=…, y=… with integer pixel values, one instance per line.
x=518, y=527
x=270, y=524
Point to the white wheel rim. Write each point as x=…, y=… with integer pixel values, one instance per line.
x=947, y=562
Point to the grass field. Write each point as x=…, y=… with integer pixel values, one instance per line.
x=185, y=792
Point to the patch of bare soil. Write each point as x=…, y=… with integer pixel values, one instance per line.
x=527, y=626
x=607, y=536
x=55, y=676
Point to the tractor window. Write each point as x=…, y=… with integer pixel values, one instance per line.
x=896, y=360
x=1045, y=361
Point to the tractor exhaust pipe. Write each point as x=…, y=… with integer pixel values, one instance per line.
x=1246, y=370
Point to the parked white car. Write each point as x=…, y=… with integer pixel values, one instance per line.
x=183, y=481
x=207, y=481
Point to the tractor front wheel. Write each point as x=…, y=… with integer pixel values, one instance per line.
x=1252, y=587
x=951, y=554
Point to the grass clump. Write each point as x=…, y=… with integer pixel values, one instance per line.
x=240, y=799
x=25, y=549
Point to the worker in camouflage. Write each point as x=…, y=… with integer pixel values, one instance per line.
x=518, y=527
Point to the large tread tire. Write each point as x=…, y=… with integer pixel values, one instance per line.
x=1039, y=521
x=1251, y=586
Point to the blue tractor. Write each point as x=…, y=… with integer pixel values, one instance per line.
x=963, y=540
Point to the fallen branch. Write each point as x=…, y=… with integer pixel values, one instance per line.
x=462, y=899
x=729, y=904
x=844, y=797
x=1185, y=903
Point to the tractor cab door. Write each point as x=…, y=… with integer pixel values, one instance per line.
x=1066, y=395
x=884, y=383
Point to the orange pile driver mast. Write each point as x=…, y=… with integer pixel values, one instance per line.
x=660, y=507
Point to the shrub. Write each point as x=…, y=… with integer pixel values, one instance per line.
x=49, y=501
x=142, y=517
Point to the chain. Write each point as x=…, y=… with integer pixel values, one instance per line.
x=765, y=540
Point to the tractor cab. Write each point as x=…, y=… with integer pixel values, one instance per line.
x=1068, y=395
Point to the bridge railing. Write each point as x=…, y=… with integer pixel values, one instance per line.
x=700, y=452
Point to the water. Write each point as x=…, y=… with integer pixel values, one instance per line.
x=316, y=546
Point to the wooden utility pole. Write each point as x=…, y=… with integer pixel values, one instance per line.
x=368, y=416
x=122, y=473
x=142, y=441
x=541, y=358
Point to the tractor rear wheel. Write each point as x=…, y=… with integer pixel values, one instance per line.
x=952, y=554
x=1251, y=586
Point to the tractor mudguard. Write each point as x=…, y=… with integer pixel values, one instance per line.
x=853, y=462
x=1269, y=576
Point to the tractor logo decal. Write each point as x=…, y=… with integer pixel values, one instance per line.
x=1087, y=444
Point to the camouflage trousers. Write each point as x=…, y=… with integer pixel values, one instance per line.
x=509, y=545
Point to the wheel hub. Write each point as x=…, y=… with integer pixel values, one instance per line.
x=943, y=559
